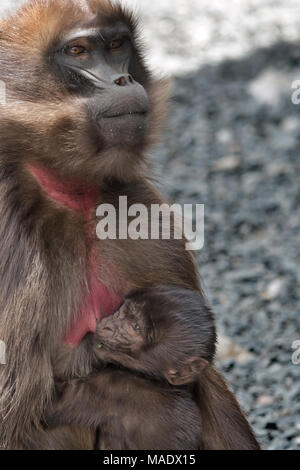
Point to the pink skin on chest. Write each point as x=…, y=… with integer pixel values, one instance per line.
x=99, y=302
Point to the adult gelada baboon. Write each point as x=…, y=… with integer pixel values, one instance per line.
x=81, y=110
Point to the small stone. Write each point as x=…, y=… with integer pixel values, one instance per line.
x=224, y=136
x=278, y=168
x=227, y=163
x=297, y=441
x=271, y=426
x=273, y=290
x=290, y=124
x=269, y=87
x=265, y=400
x=228, y=349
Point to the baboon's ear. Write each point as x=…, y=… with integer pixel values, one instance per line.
x=188, y=373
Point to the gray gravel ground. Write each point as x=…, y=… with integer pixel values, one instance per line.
x=233, y=144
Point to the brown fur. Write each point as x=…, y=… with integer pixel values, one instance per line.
x=175, y=336
x=135, y=413
x=44, y=250
x=166, y=334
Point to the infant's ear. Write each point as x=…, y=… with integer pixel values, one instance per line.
x=188, y=373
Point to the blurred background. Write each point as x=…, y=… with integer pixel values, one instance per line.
x=232, y=143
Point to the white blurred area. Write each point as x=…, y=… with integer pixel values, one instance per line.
x=184, y=34
x=188, y=33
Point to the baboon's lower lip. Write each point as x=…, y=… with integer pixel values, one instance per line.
x=129, y=114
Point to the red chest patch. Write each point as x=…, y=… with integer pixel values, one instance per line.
x=99, y=302
x=74, y=194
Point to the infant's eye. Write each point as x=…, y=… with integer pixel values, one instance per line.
x=136, y=326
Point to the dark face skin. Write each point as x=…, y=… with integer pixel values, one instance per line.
x=125, y=331
x=94, y=62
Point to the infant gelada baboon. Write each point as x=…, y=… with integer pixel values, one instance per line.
x=156, y=344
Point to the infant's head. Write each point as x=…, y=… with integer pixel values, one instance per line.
x=170, y=331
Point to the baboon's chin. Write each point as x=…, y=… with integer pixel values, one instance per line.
x=127, y=130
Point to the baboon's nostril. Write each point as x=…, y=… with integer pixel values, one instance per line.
x=124, y=80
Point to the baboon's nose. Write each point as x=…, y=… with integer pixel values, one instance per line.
x=124, y=80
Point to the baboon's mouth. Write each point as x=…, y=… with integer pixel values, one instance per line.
x=128, y=114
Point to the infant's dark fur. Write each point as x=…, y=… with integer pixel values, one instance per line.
x=154, y=347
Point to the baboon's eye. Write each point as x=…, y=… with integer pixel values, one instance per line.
x=116, y=44
x=76, y=50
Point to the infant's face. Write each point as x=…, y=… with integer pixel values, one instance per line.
x=123, y=331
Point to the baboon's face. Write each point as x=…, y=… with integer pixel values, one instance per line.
x=76, y=86
x=95, y=62
x=125, y=331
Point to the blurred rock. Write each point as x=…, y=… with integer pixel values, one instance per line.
x=265, y=400
x=224, y=136
x=274, y=289
x=291, y=124
x=269, y=87
x=230, y=162
x=228, y=349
